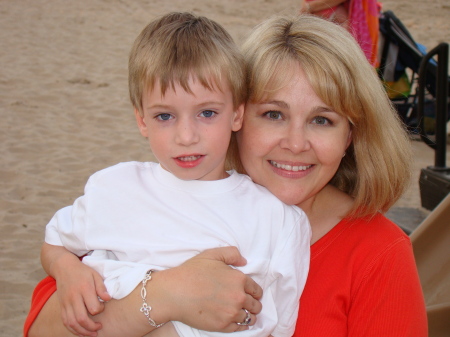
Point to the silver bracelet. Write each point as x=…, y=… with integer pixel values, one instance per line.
x=145, y=309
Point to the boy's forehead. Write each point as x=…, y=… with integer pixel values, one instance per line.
x=211, y=83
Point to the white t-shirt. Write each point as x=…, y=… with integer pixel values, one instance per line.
x=137, y=216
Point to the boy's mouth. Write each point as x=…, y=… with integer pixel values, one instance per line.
x=189, y=161
x=189, y=158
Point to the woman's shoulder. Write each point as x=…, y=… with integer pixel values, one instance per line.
x=368, y=237
x=374, y=238
x=376, y=228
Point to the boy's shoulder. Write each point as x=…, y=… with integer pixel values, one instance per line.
x=264, y=196
x=125, y=166
x=122, y=171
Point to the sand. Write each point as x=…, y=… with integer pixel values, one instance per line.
x=65, y=113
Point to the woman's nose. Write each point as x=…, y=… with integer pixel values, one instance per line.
x=295, y=140
x=187, y=133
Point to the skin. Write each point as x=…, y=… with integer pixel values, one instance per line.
x=319, y=5
x=189, y=133
x=339, y=16
x=292, y=127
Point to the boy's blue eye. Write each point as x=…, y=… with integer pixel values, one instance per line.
x=207, y=113
x=164, y=117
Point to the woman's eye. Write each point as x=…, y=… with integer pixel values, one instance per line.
x=321, y=120
x=164, y=117
x=207, y=113
x=273, y=114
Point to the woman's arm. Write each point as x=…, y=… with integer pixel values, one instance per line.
x=319, y=5
x=204, y=293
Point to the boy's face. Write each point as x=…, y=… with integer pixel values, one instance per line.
x=188, y=133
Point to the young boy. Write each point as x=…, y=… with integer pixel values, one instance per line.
x=187, y=85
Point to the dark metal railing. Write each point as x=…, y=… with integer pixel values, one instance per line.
x=442, y=93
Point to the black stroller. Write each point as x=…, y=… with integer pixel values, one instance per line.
x=421, y=98
x=400, y=61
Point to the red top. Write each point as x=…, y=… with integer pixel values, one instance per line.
x=362, y=281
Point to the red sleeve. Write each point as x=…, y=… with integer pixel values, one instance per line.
x=389, y=300
x=41, y=294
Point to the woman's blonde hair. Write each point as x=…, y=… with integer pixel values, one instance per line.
x=179, y=45
x=376, y=168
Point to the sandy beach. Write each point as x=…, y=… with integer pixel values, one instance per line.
x=65, y=111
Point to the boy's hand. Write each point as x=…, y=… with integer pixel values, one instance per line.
x=79, y=289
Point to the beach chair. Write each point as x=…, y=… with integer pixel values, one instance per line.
x=431, y=245
x=400, y=59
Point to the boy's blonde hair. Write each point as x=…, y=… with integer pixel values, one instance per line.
x=177, y=46
x=376, y=168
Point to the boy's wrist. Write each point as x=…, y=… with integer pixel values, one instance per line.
x=62, y=263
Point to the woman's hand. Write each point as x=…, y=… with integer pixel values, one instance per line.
x=204, y=292
x=207, y=294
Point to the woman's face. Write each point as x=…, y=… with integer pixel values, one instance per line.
x=292, y=143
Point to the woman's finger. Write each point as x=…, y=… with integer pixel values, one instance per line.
x=253, y=289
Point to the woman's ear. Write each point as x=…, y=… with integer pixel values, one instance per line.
x=349, y=138
x=238, y=118
x=141, y=122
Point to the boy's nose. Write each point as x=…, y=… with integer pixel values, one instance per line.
x=187, y=133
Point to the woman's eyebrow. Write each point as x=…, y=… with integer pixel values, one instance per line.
x=281, y=104
x=323, y=109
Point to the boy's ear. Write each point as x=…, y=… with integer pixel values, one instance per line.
x=238, y=118
x=141, y=123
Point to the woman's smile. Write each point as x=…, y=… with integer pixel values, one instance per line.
x=289, y=167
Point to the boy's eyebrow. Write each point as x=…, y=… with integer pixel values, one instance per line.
x=159, y=106
x=210, y=103
x=168, y=106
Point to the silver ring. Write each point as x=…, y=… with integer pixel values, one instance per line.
x=247, y=319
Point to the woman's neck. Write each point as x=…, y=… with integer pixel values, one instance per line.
x=325, y=210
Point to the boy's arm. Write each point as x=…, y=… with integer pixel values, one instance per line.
x=78, y=287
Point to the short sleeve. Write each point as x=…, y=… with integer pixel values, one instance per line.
x=290, y=265
x=389, y=300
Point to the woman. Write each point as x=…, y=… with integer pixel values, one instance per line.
x=319, y=132
x=316, y=104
